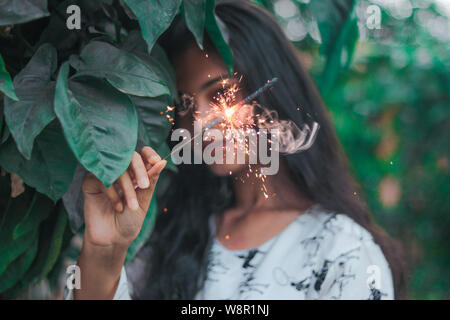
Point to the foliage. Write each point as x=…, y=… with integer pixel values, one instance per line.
x=65, y=90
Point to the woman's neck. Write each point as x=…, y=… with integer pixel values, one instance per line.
x=276, y=192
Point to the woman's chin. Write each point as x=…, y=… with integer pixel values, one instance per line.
x=227, y=169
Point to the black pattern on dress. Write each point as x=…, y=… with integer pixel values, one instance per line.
x=344, y=273
x=375, y=294
x=215, y=265
x=248, y=284
x=312, y=244
x=282, y=278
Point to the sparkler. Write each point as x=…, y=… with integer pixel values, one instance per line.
x=228, y=112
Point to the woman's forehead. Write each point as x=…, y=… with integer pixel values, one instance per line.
x=196, y=69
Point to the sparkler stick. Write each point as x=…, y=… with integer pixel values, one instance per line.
x=217, y=120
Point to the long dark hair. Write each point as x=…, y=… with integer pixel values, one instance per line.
x=181, y=240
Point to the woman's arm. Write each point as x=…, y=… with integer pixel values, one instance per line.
x=100, y=271
x=113, y=219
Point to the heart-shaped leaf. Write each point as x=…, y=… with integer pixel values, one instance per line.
x=217, y=31
x=14, y=12
x=153, y=123
x=99, y=122
x=154, y=17
x=51, y=167
x=194, y=13
x=27, y=117
x=124, y=70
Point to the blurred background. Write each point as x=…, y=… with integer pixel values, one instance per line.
x=391, y=109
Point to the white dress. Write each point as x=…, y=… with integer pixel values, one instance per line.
x=320, y=255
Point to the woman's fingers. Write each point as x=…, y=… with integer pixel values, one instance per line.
x=150, y=156
x=143, y=172
x=138, y=168
x=114, y=197
x=128, y=191
x=145, y=195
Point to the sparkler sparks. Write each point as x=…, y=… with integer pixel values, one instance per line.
x=223, y=106
x=239, y=120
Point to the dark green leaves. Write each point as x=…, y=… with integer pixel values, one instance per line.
x=154, y=17
x=6, y=84
x=20, y=11
x=27, y=117
x=331, y=16
x=11, y=248
x=99, y=122
x=153, y=124
x=218, y=33
x=38, y=211
x=52, y=164
x=194, y=13
x=125, y=71
x=50, y=243
x=28, y=258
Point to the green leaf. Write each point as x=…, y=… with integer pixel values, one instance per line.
x=5, y=197
x=60, y=264
x=6, y=84
x=51, y=167
x=194, y=13
x=160, y=62
x=20, y=11
x=39, y=210
x=124, y=70
x=331, y=16
x=27, y=117
x=339, y=31
x=99, y=122
x=1, y=119
x=146, y=230
x=5, y=135
x=18, y=267
x=54, y=237
x=216, y=30
x=10, y=249
x=154, y=17
x=339, y=59
x=154, y=127
x=50, y=242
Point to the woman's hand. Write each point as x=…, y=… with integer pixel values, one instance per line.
x=114, y=216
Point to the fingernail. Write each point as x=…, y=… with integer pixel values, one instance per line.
x=134, y=204
x=155, y=158
x=119, y=206
x=144, y=182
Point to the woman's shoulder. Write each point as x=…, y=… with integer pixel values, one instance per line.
x=344, y=258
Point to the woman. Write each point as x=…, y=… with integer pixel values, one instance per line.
x=218, y=236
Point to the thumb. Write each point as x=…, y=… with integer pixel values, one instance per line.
x=91, y=184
